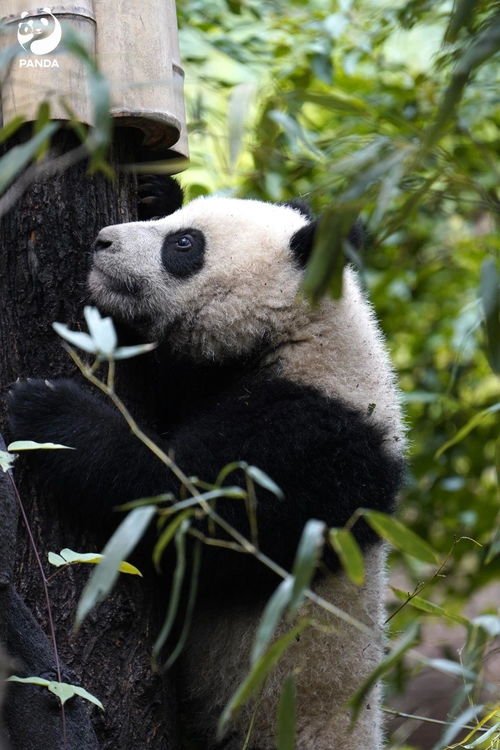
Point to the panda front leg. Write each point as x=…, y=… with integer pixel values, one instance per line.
x=108, y=464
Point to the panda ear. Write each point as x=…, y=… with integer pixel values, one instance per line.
x=302, y=242
x=300, y=205
x=159, y=196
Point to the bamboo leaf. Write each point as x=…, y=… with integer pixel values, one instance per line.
x=271, y=617
x=400, y=536
x=409, y=640
x=464, y=431
x=30, y=445
x=346, y=547
x=123, y=541
x=287, y=710
x=63, y=690
x=177, y=581
x=426, y=606
x=260, y=477
x=258, y=673
x=307, y=557
x=18, y=157
x=69, y=557
x=168, y=534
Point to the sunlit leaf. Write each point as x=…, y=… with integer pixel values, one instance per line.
x=175, y=592
x=69, y=557
x=31, y=445
x=63, y=690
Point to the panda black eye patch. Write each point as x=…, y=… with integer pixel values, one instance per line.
x=183, y=252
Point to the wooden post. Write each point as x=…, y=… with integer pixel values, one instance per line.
x=45, y=243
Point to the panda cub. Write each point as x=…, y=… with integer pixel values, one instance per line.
x=245, y=369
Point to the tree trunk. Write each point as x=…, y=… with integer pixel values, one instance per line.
x=44, y=255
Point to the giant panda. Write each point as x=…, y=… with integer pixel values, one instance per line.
x=246, y=369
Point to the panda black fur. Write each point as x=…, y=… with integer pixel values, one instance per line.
x=246, y=370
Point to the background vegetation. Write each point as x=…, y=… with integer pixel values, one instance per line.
x=390, y=109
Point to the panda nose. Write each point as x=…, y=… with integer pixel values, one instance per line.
x=103, y=241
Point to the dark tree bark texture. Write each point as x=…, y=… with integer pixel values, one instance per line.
x=45, y=244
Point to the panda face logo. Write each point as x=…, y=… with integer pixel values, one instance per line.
x=39, y=34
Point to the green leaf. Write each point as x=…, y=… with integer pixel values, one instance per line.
x=286, y=716
x=483, y=737
x=425, y=606
x=490, y=297
x=11, y=127
x=409, y=640
x=271, y=617
x=69, y=557
x=6, y=460
x=307, y=557
x=464, y=431
x=346, y=547
x=18, y=157
x=264, y=481
x=324, y=270
x=193, y=589
x=117, y=549
x=175, y=594
x=31, y=445
x=494, y=548
x=168, y=534
x=258, y=673
x=63, y=690
x=42, y=119
x=399, y=535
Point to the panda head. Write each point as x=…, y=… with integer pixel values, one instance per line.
x=214, y=280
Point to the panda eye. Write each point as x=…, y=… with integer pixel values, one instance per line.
x=184, y=243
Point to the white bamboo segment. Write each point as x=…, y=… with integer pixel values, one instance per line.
x=137, y=50
x=136, y=42
x=41, y=69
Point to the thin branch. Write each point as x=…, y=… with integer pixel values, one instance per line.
x=47, y=597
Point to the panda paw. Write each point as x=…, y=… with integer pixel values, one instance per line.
x=159, y=196
x=46, y=410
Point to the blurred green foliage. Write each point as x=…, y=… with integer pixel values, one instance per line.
x=334, y=102
x=391, y=110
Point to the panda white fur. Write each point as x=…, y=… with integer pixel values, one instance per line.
x=246, y=370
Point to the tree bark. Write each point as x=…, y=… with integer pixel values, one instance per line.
x=45, y=244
